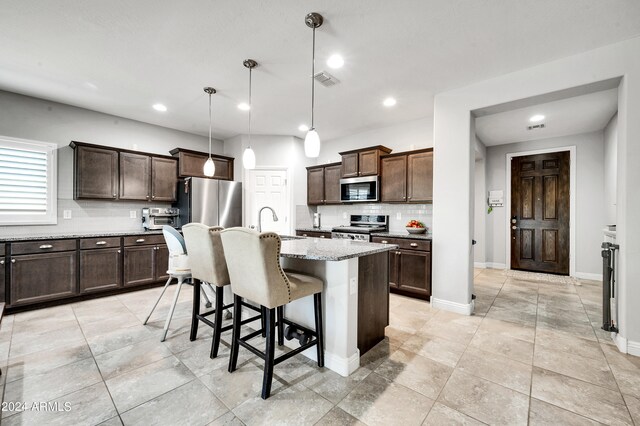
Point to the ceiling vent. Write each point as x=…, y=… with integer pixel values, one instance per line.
x=536, y=126
x=326, y=79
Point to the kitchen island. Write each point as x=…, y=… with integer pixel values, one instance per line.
x=355, y=297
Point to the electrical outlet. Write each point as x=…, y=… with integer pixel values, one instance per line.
x=133, y=214
x=353, y=285
x=66, y=214
x=399, y=216
x=344, y=215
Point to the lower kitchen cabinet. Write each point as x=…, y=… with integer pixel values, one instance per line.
x=162, y=263
x=100, y=269
x=313, y=234
x=42, y=277
x=145, y=264
x=409, y=266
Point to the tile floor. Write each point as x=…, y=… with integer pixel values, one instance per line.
x=533, y=353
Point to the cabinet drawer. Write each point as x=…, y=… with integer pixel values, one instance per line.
x=313, y=234
x=141, y=240
x=97, y=243
x=405, y=243
x=44, y=246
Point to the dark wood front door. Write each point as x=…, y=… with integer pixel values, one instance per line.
x=540, y=213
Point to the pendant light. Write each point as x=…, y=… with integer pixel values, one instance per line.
x=312, y=140
x=209, y=167
x=249, y=157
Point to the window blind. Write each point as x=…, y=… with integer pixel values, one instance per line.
x=23, y=181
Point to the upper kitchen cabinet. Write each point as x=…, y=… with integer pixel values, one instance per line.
x=110, y=173
x=407, y=177
x=362, y=162
x=191, y=164
x=135, y=176
x=95, y=172
x=323, y=184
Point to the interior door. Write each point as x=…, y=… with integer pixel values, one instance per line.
x=268, y=187
x=540, y=213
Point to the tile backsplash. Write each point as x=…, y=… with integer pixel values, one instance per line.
x=88, y=216
x=399, y=214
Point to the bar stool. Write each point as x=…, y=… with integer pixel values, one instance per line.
x=253, y=261
x=176, y=246
x=207, y=261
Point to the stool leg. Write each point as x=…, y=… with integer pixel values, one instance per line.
x=207, y=302
x=269, y=352
x=317, y=302
x=263, y=315
x=280, y=312
x=217, y=330
x=235, y=334
x=173, y=308
x=158, y=301
x=196, y=310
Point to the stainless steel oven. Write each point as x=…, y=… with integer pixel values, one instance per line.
x=360, y=189
x=156, y=218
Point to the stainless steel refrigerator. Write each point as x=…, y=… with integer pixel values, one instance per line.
x=210, y=201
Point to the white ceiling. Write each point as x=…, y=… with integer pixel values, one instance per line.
x=578, y=114
x=120, y=57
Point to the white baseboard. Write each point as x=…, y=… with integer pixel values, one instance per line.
x=342, y=366
x=459, y=308
x=588, y=276
x=620, y=342
x=633, y=348
x=493, y=265
x=480, y=265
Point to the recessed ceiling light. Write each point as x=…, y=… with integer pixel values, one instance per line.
x=244, y=106
x=536, y=118
x=159, y=107
x=303, y=128
x=389, y=102
x=335, y=61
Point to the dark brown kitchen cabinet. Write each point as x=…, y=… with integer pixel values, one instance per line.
x=323, y=184
x=95, y=172
x=409, y=266
x=420, y=177
x=135, y=176
x=3, y=273
x=363, y=162
x=146, y=263
x=42, y=277
x=393, y=179
x=407, y=177
x=100, y=269
x=191, y=164
x=164, y=179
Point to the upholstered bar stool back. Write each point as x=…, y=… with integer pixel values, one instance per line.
x=206, y=255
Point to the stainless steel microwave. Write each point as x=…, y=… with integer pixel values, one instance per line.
x=360, y=189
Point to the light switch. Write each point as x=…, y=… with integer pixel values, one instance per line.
x=399, y=216
x=66, y=214
x=133, y=214
x=344, y=215
x=353, y=285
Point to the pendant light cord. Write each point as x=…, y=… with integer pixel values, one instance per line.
x=313, y=72
x=250, y=106
x=210, y=126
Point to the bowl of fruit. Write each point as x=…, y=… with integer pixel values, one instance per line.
x=416, y=227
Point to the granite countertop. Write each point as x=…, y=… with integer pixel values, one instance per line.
x=310, y=229
x=61, y=236
x=403, y=234
x=331, y=250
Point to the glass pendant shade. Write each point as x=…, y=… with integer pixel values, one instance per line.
x=209, y=168
x=312, y=144
x=249, y=159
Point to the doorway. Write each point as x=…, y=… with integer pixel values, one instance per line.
x=540, y=211
x=267, y=187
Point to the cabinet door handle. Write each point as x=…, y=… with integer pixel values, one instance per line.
x=153, y=197
x=304, y=235
x=398, y=253
x=119, y=251
x=321, y=236
x=147, y=197
x=414, y=244
x=1, y=262
x=101, y=243
x=114, y=195
x=13, y=261
x=140, y=240
x=384, y=242
x=46, y=246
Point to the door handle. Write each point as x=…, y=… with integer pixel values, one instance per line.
x=46, y=246
x=384, y=242
x=514, y=227
x=140, y=240
x=414, y=244
x=101, y=243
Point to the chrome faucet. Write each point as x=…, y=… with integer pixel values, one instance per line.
x=275, y=217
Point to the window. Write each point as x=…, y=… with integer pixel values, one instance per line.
x=28, y=193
